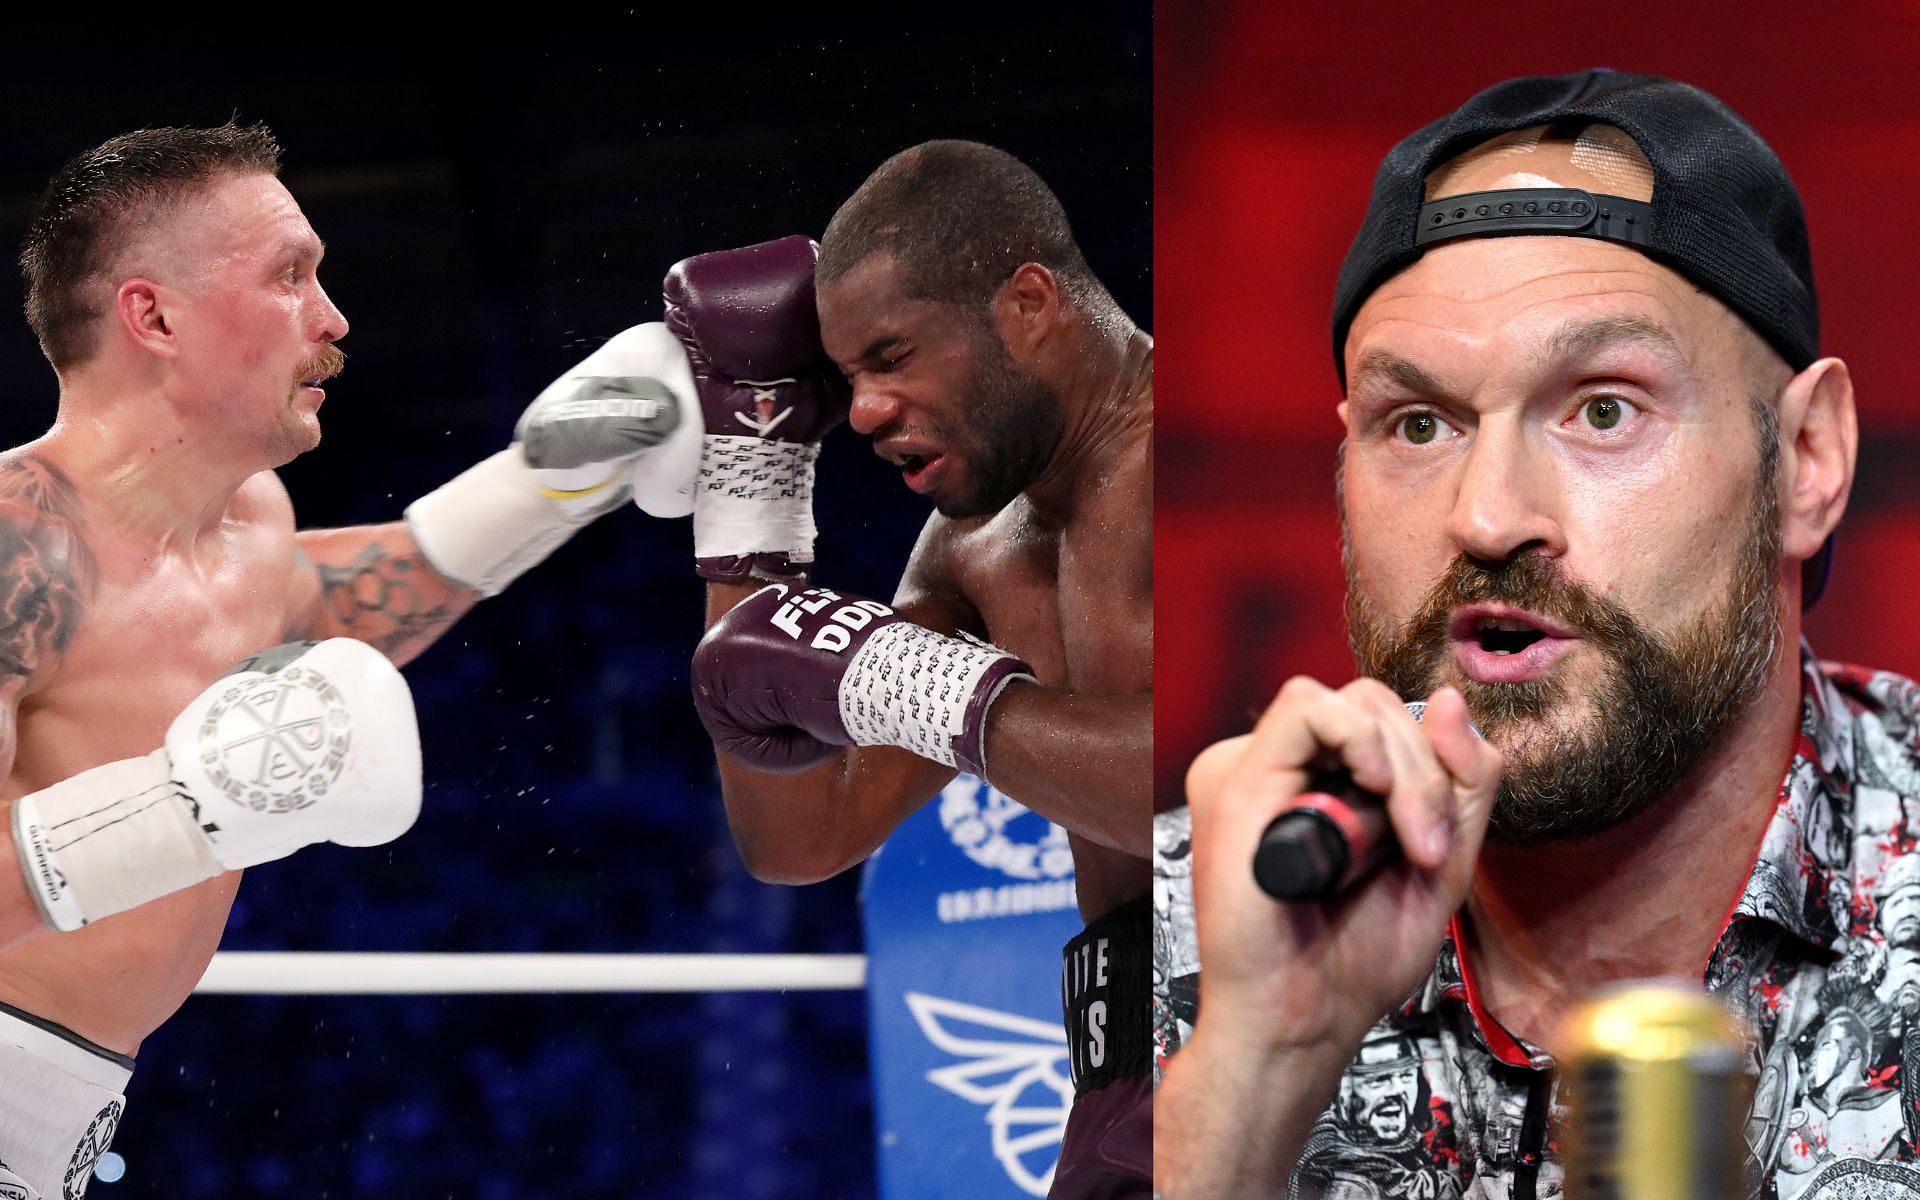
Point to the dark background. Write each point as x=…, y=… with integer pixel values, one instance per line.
x=497, y=201
x=1269, y=122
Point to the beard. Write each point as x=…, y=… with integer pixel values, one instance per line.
x=1658, y=705
x=1012, y=423
x=1388, y=1119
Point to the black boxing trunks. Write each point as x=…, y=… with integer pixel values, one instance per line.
x=60, y=1101
x=1107, y=1153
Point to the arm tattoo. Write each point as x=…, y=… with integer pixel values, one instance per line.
x=47, y=574
x=378, y=598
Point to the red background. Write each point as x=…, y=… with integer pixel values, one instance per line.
x=1269, y=122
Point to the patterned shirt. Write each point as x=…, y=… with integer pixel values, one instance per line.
x=1820, y=957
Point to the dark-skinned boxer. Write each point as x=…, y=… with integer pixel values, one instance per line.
x=989, y=364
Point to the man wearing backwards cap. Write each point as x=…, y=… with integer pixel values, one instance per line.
x=1592, y=462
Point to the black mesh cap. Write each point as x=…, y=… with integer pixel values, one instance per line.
x=1724, y=213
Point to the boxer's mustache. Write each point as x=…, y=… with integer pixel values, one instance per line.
x=325, y=365
x=1535, y=583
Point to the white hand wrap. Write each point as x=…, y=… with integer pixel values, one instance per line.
x=911, y=687
x=755, y=497
x=260, y=764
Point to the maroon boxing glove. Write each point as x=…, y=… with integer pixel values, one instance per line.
x=768, y=394
x=789, y=676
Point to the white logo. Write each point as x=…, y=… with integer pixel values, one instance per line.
x=1016, y=1067
x=608, y=398
x=766, y=396
x=978, y=817
x=277, y=743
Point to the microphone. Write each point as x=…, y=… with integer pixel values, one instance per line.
x=1335, y=835
x=1652, y=1073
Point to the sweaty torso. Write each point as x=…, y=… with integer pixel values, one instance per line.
x=1074, y=598
x=153, y=630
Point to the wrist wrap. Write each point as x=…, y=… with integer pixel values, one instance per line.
x=753, y=510
x=911, y=687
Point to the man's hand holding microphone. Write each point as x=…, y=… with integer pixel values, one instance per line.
x=1289, y=989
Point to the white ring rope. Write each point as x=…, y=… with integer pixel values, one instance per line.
x=295, y=973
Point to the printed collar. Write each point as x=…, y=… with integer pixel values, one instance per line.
x=1808, y=845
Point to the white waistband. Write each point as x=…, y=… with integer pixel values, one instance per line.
x=74, y=1059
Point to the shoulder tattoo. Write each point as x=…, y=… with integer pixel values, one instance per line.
x=47, y=573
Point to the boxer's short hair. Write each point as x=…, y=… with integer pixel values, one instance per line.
x=86, y=214
x=960, y=218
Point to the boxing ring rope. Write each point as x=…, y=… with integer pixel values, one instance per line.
x=300, y=973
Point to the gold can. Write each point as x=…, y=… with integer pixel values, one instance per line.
x=1653, y=1078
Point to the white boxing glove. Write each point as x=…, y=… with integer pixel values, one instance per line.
x=626, y=421
x=576, y=454
x=304, y=743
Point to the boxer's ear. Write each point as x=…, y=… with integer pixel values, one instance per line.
x=143, y=310
x=1027, y=307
